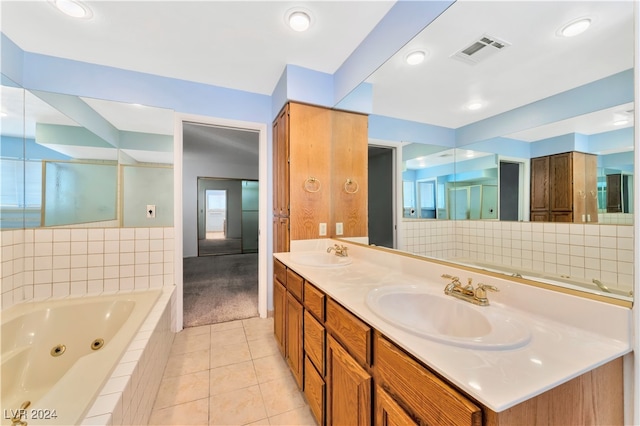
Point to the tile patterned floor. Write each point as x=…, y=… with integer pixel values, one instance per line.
x=229, y=374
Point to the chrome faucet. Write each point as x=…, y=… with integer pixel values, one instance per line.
x=339, y=249
x=477, y=296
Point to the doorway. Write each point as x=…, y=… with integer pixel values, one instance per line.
x=220, y=262
x=381, y=202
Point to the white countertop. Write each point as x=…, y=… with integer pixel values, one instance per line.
x=570, y=335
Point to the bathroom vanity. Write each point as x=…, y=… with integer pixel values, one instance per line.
x=372, y=338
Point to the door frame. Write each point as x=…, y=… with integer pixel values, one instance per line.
x=261, y=128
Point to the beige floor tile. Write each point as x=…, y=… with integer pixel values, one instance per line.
x=190, y=413
x=229, y=325
x=180, y=389
x=262, y=422
x=258, y=328
x=228, y=337
x=263, y=347
x=186, y=363
x=184, y=343
x=237, y=408
x=300, y=416
x=232, y=377
x=271, y=367
x=281, y=395
x=229, y=354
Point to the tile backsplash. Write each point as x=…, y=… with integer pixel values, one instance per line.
x=42, y=263
x=579, y=251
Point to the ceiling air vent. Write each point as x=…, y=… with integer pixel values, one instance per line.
x=480, y=49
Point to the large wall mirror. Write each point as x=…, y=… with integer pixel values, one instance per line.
x=70, y=161
x=499, y=87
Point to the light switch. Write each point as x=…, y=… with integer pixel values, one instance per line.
x=323, y=229
x=339, y=230
x=151, y=211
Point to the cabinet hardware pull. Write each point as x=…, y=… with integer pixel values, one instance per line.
x=312, y=185
x=348, y=183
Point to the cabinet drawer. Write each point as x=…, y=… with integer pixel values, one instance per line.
x=295, y=284
x=314, y=391
x=432, y=400
x=314, y=301
x=314, y=341
x=354, y=334
x=389, y=413
x=280, y=271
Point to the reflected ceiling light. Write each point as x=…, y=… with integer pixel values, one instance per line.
x=474, y=106
x=416, y=57
x=575, y=27
x=72, y=8
x=298, y=19
x=621, y=122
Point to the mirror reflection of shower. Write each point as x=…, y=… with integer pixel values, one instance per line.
x=216, y=217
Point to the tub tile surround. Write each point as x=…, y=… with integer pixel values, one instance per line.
x=580, y=251
x=40, y=263
x=570, y=335
x=128, y=396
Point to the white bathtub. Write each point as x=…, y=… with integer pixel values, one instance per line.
x=52, y=353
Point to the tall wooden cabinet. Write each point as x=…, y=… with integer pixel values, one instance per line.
x=320, y=173
x=564, y=188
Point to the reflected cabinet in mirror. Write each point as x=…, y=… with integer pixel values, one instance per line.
x=517, y=142
x=71, y=161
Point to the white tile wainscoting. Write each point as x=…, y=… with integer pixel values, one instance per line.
x=581, y=251
x=43, y=263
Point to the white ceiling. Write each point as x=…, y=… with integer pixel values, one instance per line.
x=242, y=45
x=245, y=45
x=537, y=64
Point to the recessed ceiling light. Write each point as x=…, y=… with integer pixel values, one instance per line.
x=72, y=8
x=416, y=57
x=575, y=27
x=298, y=19
x=621, y=122
x=474, y=106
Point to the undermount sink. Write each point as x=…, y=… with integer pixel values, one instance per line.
x=447, y=320
x=319, y=259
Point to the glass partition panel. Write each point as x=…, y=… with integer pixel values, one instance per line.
x=79, y=192
x=249, y=216
x=12, y=167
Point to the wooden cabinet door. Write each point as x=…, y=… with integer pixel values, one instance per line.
x=350, y=174
x=389, y=412
x=314, y=391
x=279, y=301
x=281, y=163
x=309, y=169
x=540, y=184
x=561, y=178
x=293, y=339
x=348, y=388
x=280, y=234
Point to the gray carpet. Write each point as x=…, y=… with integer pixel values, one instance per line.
x=220, y=288
x=219, y=246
